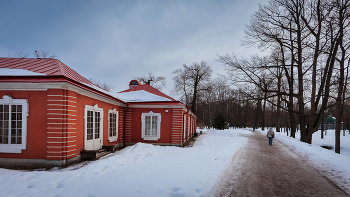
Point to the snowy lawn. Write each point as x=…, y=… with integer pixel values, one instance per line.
x=334, y=166
x=139, y=170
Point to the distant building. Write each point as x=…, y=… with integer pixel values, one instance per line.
x=329, y=123
x=50, y=115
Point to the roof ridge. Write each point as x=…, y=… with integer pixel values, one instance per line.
x=149, y=89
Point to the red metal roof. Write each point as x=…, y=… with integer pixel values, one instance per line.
x=149, y=89
x=50, y=67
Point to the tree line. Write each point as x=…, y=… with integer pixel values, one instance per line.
x=303, y=78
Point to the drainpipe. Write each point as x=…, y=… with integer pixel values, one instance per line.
x=124, y=121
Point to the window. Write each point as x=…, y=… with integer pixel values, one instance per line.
x=112, y=125
x=150, y=126
x=13, y=124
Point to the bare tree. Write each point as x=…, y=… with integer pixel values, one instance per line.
x=105, y=86
x=307, y=38
x=156, y=82
x=21, y=55
x=44, y=54
x=191, y=80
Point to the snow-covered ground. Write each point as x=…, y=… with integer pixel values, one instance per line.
x=147, y=170
x=139, y=170
x=334, y=166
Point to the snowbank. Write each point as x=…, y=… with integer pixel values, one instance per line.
x=139, y=170
x=17, y=72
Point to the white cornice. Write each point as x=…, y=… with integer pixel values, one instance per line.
x=56, y=85
x=156, y=106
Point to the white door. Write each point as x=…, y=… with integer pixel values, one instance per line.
x=93, y=129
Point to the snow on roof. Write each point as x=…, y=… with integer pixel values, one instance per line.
x=17, y=72
x=49, y=67
x=138, y=96
x=149, y=89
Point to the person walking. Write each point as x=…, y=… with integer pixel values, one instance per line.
x=270, y=134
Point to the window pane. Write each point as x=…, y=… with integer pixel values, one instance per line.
x=13, y=124
x=6, y=108
x=89, y=125
x=19, y=140
x=5, y=136
x=1, y=108
x=19, y=124
x=1, y=135
x=13, y=108
x=148, y=125
x=6, y=124
x=154, y=125
x=19, y=116
x=13, y=140
x=89, y=134
x=13, y=116
x=19, y=108
x=97, y=125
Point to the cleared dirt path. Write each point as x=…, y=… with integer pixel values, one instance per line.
x=262, y=170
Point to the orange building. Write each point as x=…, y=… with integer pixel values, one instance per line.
x=52, y=116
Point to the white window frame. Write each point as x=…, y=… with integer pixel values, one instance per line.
x=15, y=148
x=94, y=108
x=143, y=120
x=113, y=138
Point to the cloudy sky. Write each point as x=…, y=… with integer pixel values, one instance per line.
x=115, y=41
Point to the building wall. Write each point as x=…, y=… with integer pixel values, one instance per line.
x=36, y=124
x=177, y=127
x=55, y=126
x=61, y=143
x=84, y=100
x=134, y=124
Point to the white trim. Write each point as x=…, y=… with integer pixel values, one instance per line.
x=64, y=155
x=62, y=105
x=61, y=141
x=58, y=85
x=143, y=120
x=113, y=138
x=59, y=114
x=15, y=148
x=184, y=125
x=93, y=144
x=158, y=106
x=63, y=96
x=61, y=101
x=62, y=110
x=63, y=118
x=61, y=146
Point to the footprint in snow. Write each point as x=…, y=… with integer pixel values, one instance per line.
x=31, y=186
x=59, y=185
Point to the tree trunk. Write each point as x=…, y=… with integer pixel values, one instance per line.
x=322, y=127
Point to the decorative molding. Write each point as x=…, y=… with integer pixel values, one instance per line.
x=44, y=86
